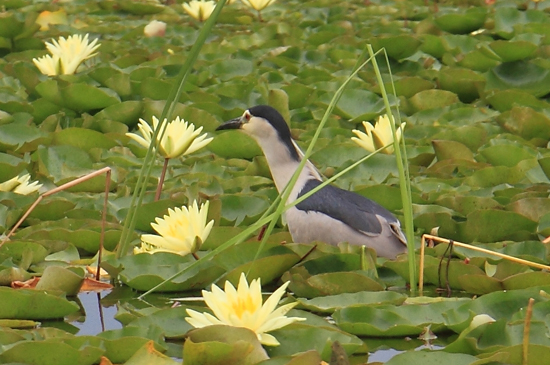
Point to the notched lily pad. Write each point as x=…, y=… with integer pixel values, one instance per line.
x=330, y=275
x=522, y=75
x=144, y=271
x=330, y=303
x=390, y=321
x=220, y=344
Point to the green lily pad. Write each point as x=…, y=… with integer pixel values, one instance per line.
x=509, y=51
x=127, y=112
x=390, y=321
x=467, y=84
x=33, y=304
x=431, y=358
x=505, y=100
x=77, y=96
x=506, y=154
x=451, y=150
x=66, y=280
x=82, y=138
x=141, y=7
x=462, y=22
x=144, y=271
x=121, y=344
x=397, y=46
x=430, y=99
x=270, y=264
x=522, y=75
x=299, y=337
x=330, y=275
x=330, y=303
x=495, y=225
x=24, y=138
x=526, y=122
x=218, y=344
x=170, y=320
x=358, y=105
x=11, y=24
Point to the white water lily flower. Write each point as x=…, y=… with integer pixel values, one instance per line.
x=242, y=307
x=258, y=4
x=69, y=54
x=20, y=185
x=179, y=139
x=155, y=29
x=199, y=9
x=182, y=231
x=378, y=136
x=47, y=64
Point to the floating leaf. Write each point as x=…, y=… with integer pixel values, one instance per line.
x=429, y=99
x=219, y=344
x=330, y=303
x=389, y=321
x=299, y=337
x=462, y=22
x=61, y=279
x=144, y=271
x=522, y=75
x=32, y=304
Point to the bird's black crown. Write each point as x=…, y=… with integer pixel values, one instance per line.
x=273, y=117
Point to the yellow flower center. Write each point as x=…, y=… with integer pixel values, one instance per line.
x=242, y=305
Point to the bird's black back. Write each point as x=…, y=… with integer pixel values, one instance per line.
x=350, y=208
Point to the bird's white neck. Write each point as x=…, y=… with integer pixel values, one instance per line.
x=283, y=165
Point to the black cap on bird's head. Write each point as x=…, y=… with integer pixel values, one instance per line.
x=263, y=123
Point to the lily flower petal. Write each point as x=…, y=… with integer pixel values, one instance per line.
x=20, y=185
x=258, y=4
x=378, y=136
x=199, y=9
x=181, y=231
x=179, y=139
x=242, y=307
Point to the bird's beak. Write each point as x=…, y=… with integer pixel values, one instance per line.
x=231, y=124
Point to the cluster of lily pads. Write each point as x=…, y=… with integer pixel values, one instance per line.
x=471, y=80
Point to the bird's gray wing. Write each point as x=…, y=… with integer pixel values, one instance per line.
x=350, y=208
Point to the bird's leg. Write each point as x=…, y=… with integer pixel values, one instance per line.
x=448, y=252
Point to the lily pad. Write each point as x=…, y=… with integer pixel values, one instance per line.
x=33, y=304
x=462, y=22
x=220, y=344
x=390, y=321
x=144, y=271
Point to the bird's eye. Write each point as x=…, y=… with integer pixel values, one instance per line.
x=247, y=115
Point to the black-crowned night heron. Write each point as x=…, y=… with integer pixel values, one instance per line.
x=331, y=214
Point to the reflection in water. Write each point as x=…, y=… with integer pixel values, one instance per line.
x=97, y=318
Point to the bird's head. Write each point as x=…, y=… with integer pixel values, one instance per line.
x=267, y=126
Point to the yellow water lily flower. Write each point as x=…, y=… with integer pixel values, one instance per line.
x=199, y=9
x=20, y=185
x=242, y=307
x=47, y=64
x=258, y=4
x=66, y=55
x=179, y=139
x=182, y=231
x=378, y=136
